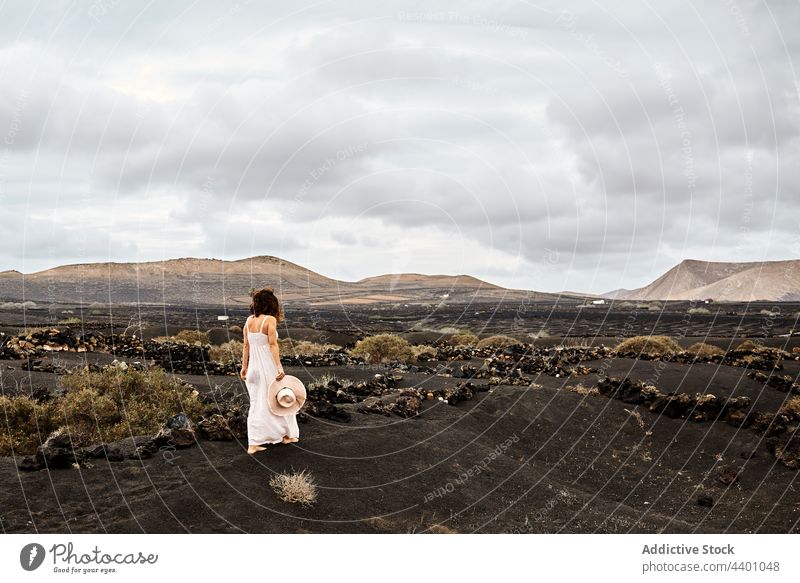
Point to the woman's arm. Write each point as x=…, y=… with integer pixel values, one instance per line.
x=245, y=353
x=272, y=334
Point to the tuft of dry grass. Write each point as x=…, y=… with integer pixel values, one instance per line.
x=705, y=349
x=571, y=342
x=583, y=391
x=384, y=348
x=295, y=487
x=649, y=345
x=637, y=417
x=498, y=341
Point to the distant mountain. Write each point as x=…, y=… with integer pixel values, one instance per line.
x=194, y=281
x=740, y=282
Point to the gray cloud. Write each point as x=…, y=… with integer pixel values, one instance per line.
x=618, y=141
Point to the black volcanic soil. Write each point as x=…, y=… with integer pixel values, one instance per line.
x=573, y=464
x=343, y=324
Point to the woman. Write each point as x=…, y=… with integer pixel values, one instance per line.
x=261, y=363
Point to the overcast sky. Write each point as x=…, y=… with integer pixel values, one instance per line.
x=540, y=145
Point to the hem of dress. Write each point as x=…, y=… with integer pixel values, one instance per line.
x=273, y=442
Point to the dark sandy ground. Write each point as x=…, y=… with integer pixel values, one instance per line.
x=563, y=463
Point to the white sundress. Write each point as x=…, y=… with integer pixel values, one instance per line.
x=263, y=426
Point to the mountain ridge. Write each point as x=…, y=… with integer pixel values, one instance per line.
x=746, y=281
x=211, y=281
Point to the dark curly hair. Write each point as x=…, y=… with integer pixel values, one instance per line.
x=266, y=302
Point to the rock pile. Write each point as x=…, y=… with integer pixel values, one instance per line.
x=50, y=340
x=697, y=407
x=784, y=383
x=379, y=395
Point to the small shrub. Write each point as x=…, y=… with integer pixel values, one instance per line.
x=498, y=341
x=649, y=345
x=229, y=352
x=704, y=349
x=188, y=336
x=698, y=311
x=749, y=345
x=295, y=487
x=71, y=321
x=26, y=423
x=384, y=348
x=463, y=339
x=424, y=353
x=303, y=347
x=193, y=336
x=113, y=403
x=792, y=407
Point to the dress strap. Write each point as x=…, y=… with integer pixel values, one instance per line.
x=261, y=328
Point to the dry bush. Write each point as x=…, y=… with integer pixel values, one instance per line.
x=465, y=338
x=384, y=348
x=188, y=336
x=229, y=352
x=498, y=341
x=698, y=311
x=650, y=345
x=792, y=407
x=97, y=407
x=704, y=349
x=749, y=345
x=295, y=487
x=193, y=336
x=304, y=347
x=114, y=403
x=26, y=423
x=583, y=391
x=424, y=353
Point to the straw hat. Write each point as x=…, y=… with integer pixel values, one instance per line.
x=286, y=396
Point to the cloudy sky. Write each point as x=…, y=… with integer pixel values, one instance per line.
x=541, y=145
